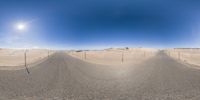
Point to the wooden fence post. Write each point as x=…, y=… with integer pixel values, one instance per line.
x=85, y=54
x=25, y=63
x=122, y=57
x=48, y=53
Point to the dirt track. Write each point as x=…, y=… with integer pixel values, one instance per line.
x=64, y=77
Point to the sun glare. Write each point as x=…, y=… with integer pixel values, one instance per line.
x=21, y=26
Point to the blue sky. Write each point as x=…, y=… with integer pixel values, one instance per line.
x=83, y=24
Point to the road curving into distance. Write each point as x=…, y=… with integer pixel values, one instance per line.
x=64, y=77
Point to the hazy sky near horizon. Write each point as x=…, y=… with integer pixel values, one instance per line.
x=100, y=23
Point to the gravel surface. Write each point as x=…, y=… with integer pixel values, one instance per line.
x=63, y=77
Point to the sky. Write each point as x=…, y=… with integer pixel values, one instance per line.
x=94, y=24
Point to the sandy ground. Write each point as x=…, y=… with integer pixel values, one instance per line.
x=115, y=56
x=63, y=77
x=191, y=56
x=14, y=58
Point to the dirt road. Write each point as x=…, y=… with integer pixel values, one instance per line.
x=64, y=77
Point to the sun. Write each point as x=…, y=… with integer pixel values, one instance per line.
x=21, y=26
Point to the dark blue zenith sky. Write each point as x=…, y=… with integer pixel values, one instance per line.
x=100, y=23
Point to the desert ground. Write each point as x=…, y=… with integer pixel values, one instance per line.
x=115, y=56
x=14, y=59
x=111, y=74
x=187, y=55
